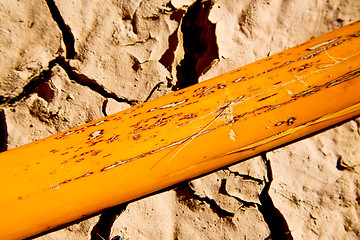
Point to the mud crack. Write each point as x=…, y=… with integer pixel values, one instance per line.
x=187, y=195
x=223, y=191
x=79, y=78
x=90, y=83
x=68, y=37
x=34, y=82
x=199, y=41
x=102, y=230
x=245, y=177
x=156, y=87
x=276, y=222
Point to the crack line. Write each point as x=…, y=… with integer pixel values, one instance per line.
x=245, y=177
x=34, y=82
x=68, y=37
x=199, y=41
x=91, y=83
x=276, y=222
x=102, y=230
x=245, y=204
x=187, y=192
x=156, y=87
x=81, y=79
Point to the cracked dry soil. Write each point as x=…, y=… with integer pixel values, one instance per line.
x=67, y=63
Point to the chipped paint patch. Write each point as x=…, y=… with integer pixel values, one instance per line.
x=136, y=137
x=232, y=135
x=101, y=122
x=290, y=121
x=170, y=105
x=238, y=79
x=96, y=134
x=279, y=123
x=54, y=186
x=322, y=44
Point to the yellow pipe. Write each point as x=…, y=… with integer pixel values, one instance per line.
x=190, y=132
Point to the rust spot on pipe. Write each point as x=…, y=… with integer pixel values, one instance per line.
x=94, y=153
x=306, y=65
x=85, y=175
x=188, y=116
x=79, y=160
x=290, y=121
x=199, y=89
x=136, y=137
x=262, y=99
x=113, y=138
x=279, y=123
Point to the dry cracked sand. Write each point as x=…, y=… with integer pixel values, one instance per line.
x=65, y=63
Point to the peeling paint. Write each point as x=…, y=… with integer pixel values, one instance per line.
x=170, y=105
x=96, y=134
x=232, y=135
x=322, y=44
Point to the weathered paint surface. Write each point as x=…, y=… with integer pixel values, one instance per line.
x=182, y=135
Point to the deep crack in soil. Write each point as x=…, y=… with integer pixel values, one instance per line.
x=91, y=83
x=68, y=37
x=187, y=195
x=276, y=222
x=42, y=77
x=200, y=44
x=102, y=230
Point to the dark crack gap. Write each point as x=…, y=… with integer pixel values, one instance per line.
x=4, y=135
x=222, y=190
x=68, y=37
x=186, y=194
x=200, y=45
x=102, y=230
x=156, y=87
x=90, y=83
x=34, y=82
x=168, y=57
x=276, y=222
x=245, y=177
x=103, y=107
x=46, y=74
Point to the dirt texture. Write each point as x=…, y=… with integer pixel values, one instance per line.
x=66, y=63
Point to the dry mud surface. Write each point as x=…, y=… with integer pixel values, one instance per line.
x=65, y=63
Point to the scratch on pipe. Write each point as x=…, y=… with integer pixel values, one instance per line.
x=225, y=110
x=329, y=116
x=322, y=44
x=180, y=147
x=170, y=105
x=118, y=163
x=342, y=112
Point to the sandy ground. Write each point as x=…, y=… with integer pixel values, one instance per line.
x=65, y=63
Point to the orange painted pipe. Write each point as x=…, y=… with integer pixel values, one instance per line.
x=177, y=137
